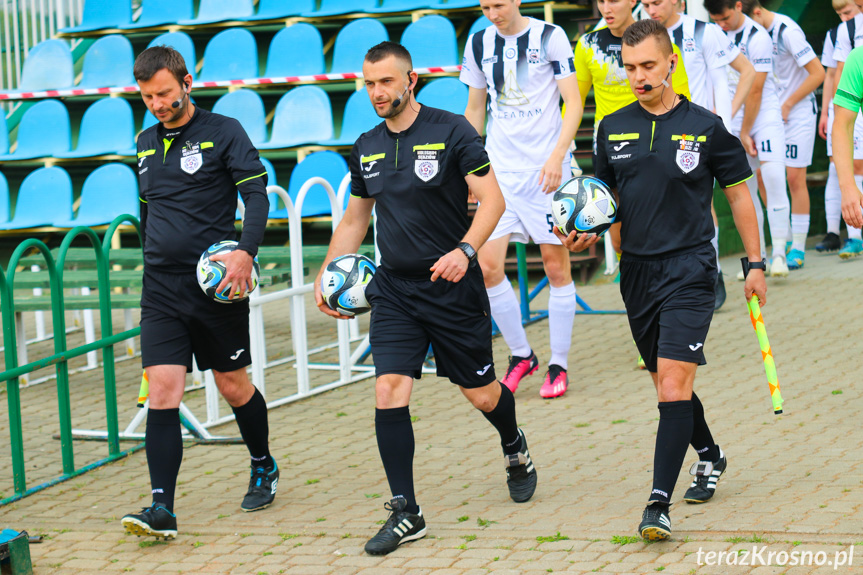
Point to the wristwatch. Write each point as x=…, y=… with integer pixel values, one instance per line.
x=468, y=251
x=748, y=265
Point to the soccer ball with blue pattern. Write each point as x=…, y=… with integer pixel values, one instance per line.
x=210, y=273
x=343, y=283
x=584, y=205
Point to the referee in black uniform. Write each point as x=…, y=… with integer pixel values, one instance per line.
x=190, y=166
x=415, y=169
x=662, y=154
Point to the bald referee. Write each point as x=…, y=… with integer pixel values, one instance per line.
x=661, y=154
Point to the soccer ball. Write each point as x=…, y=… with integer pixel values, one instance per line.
x=343, y=283
x=210, y=273
x=583, y=204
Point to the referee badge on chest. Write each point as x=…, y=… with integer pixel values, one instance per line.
x=427, y=161
x=191, y=159
x=688, y=152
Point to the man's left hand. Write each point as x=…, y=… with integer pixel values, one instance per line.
x=450, y=267
x=576, y=242
x=852, y=203
x=786, y=110
x=238, y=272
x=551, y=174
x=756, y=284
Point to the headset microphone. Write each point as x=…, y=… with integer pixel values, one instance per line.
x=648, y=87
x=398, y=101
x=179, y=102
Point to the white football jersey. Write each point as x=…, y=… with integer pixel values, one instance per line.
x=704, y=48
x=829, y=46
x=520, y=74
x=791, y=52
x=754, y=42
x=849, y=36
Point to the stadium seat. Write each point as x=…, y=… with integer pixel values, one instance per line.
x=337, y=7
x=4, y=199
x=247, y=107
x=296, y=51
x=45, y=196
x=149, y=120
x=303, y=116
x=182, y=43
x=160, y=12
x=448, y=94
x=101, y=14
x=109, y=191
x=230, y=55
x=48, y=67
x=269, y=9
x=406, y=5
x=108, y=127
x=359, y=117
x=353, y=41
x=4, y=136
x=108, y=62
x=211, y=11
x=481, y=24
x=327, y=165
x=271, y=181
x=431, y=42
x=43, y=132
x=461, y=4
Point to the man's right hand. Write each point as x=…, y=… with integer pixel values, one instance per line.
x=321, y=303
x=822, y=126
x=748, y=144
x=576, y=242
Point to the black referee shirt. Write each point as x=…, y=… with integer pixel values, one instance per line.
x=416, y=178
x=663, y=168
x=188, y=179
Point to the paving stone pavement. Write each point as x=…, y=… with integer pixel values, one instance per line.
x=794, y=482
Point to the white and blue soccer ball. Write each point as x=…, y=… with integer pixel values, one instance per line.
x=343, y=283
x=583, y=204
x=210, y=273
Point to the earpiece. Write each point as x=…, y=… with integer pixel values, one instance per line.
x=398, y=101
x=179, y=102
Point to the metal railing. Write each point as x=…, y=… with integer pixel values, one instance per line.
x=61, y=355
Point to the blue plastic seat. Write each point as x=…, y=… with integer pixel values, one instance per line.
x=359, y=117
x=221, y=11
x=353, y=41
x=296, y=51
x=4, y=136
x=108, y=127
x=48, y=67
x=461, y=4
x=481, y=24
x=160, y=12
x=336, y=7
x=388, y=6
x=269, y=9
x=271, y=181
x=182, y=43
x=445, y=93
x=303, y=116
x=327, y=165
x=431, y=42
x=45, y=196
x=4, y=199
x=109, y=191
x=43, y=132
x=247, y=107
x=231, y=55
x=101, y=14
x=108, y=62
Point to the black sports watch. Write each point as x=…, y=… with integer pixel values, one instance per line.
x=468, y=251
x=748, y=265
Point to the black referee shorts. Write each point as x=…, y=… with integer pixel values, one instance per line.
x=455, y=318
x=178, y=320
x=669, y=302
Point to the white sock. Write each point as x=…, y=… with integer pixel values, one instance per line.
x=561, y=316
x=752, y=184
x=799, y=231
x=506, y=313
x=833, y=200
x=715, y=242
x=778, y=205
x=854, y=233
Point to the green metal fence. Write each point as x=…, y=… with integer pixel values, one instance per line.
x=62, y=355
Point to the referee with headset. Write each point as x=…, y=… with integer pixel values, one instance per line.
x=661, y=154
x=190, y=166
x=414, y=169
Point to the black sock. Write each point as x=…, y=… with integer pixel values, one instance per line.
x=164, y=446
x=672, y=440
x=702, y=440
x=395, y=436
x=502, y=417
x=255, y=429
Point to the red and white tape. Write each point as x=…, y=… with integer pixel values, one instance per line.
x=216, y=84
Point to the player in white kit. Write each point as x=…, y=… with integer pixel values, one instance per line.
x=848, y=37
x=798, y=73
x=517, y=71
x=706, y=52
x=759, y=126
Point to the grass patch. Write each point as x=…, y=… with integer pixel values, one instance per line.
x=463, y=518
x=551, y=538
x=312, y=481
x=145, y=544
x=625, y=539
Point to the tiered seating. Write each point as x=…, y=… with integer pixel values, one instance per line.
x=445, y=93
x=303, y=116
x=328, y=165
x=247, y=108
x=359, y=117
x=431, y=42
x=339, y=7
x=481, y=24
x=108, y=191
x=106, y=128
x=180, y=42
x=44, y=131
x=108, y=62
x=4, y=199
x=407, y=5
x=160, y=12
x=45, y=196
x=4, y=136
x=297, y=50
x=48, y=67
x=211, y=11
x=231, y=54
x=353, y=42
x=271, y=9
x=102, y=14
